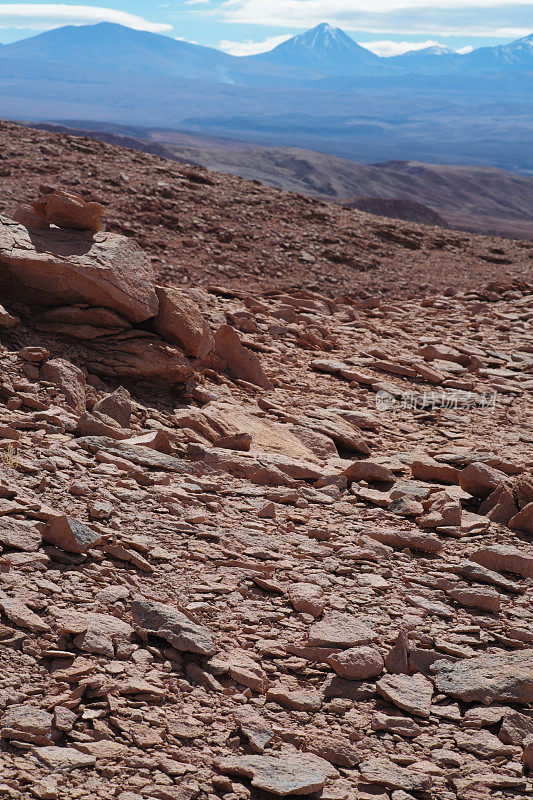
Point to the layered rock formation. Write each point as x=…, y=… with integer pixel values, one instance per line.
x=100, y=289
x=64, y=268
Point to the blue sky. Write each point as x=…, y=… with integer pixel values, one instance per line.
x=246, y=26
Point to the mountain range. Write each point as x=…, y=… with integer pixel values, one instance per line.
x=322, y=51
x=319, y=90
x=331, y=51
x=111, y=48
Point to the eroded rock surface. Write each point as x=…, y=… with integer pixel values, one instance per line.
x=59, y=268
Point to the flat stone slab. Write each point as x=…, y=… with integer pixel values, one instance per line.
x=340, y=630
x=19, y=614
x=412, y=693
x=27, y=723
x=502, y=676
x=504, y=557
x=19, y=535
x=385, y=772
x=137, y=454
x=282, y=776
x=93, y=632
x=64, y=758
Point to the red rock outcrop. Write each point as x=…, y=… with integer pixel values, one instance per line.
x=61, y=268
x=68, y=210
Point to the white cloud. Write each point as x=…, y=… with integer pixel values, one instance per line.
x=251, y=48
x=43, y=16
x=328, y=9
x=386, y=48
x=183, y=39
x=495, y=18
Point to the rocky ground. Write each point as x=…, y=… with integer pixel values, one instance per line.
x=258, y=543
x=203, y=228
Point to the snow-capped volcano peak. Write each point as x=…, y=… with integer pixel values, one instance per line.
x=323, y=48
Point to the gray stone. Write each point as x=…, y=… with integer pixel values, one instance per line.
x=64, y=758
x=254, y=727
x=137, y=454
x=411, y=693
x=70, y=535
x=167, y=622
x=488, y=678
x=27, y=723
x=283, y=776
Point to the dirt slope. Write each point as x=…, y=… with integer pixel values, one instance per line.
x=406, y=210
x=263, y=600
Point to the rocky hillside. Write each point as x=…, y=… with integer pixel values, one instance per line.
x=471, y=198
x=202, y=228
x=255, y=544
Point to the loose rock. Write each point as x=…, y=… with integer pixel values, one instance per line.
x=170, y=624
